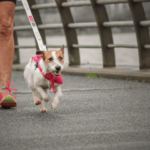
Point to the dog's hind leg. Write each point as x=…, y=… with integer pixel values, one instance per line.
x=57, y=97
x=36, y=98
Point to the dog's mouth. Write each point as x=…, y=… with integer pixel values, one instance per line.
x=56, y=73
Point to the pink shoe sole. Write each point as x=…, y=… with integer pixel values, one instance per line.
x=8, y=102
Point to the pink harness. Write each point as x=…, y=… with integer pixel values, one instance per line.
x=48, y=76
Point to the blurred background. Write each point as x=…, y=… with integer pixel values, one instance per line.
x=86, y=36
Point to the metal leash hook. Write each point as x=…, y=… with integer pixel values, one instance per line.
x=34, y=26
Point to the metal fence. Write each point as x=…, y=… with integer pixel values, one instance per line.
x=140, y=23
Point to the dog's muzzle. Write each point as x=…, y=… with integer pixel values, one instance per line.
x=57, y=72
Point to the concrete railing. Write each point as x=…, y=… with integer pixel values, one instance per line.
x=102, y=23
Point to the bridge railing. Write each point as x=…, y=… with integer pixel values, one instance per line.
x=140, y=23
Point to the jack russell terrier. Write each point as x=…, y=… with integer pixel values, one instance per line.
x=42, y=73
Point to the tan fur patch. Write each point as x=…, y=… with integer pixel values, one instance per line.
x=60, y=54
x=48, y=55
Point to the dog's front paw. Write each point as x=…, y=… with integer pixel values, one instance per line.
x=46, y=98
x=54, y=104
x=43, y=109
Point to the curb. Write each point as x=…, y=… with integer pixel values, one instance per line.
x=124, y=73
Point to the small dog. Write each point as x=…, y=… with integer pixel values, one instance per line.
x=43, y=72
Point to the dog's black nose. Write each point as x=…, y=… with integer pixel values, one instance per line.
x=58, y=68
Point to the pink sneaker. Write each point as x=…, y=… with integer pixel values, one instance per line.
x=7, y=99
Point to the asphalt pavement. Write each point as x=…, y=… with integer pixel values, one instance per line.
x=93, y=114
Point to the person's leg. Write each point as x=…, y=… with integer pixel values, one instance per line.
x=7, y=99
x=6, y=41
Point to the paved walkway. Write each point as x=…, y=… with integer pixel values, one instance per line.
x=94, y=114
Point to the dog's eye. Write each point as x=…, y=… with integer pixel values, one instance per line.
x=51, y=59
x=60, y=58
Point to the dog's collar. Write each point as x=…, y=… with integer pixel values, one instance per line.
x=36, y=58
x=48, y=76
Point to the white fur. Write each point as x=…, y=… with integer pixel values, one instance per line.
x=38, y=83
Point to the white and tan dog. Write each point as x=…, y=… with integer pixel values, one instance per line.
x=50, y=63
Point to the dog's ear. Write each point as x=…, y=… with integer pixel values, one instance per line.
x=62, y=49
x=41, y=53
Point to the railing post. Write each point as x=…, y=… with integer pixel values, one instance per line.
x=142, y=33
x=16, y=50
x=105, y=34
x=71, y=35
x=38, y=21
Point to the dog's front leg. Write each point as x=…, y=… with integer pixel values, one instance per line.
x=42, y=107
x=48, y=97
x=43, y=93
x=57, y=97
x=44, y=97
